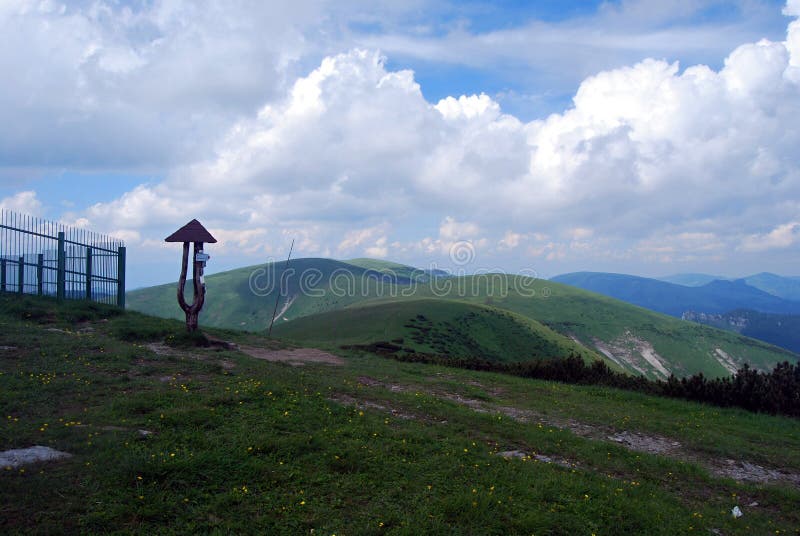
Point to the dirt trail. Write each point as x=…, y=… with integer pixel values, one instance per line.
x=294, y=356
x=741, y=470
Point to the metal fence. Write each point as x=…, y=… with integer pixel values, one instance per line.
x=51, y=259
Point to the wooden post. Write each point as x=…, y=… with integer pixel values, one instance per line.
x=195, y=233
x=192, y=311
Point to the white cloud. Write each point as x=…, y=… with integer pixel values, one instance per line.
x=781, y=237
x=23, y=202
x=371, y=241
x=351, y=157
x=510, y=240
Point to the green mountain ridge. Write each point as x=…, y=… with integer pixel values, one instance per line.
x=453, y=329
x=636, y=339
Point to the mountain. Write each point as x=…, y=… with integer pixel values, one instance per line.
x=716, y=297
x=780, y=330
x=690, y=279
x=636, y=339
x=452, y=329
x=786, y=287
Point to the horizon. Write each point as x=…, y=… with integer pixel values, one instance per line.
x=458, y=271
x=626, y=136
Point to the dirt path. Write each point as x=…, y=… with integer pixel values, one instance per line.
x=294, y=356
x=740, y=470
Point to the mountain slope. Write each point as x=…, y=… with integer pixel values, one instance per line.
x=245, y=298
x=715, y=297
x=785, y=287
x=640, y=341
x=690, y=279
x=780, y=330
x=446, y=328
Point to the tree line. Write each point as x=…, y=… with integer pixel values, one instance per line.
x=776, y=392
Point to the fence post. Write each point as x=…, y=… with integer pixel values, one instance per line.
x=21, y=275
x=61, y=272
x=121, y=276
x=40, y=274
x=88, y=272
x=2, y=275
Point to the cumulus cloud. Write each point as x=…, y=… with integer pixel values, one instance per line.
x=781, y=237
x=352, y=158
x=23, y=202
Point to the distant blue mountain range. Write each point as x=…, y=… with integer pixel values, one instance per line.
x=787, y=287
x=763, y=306
x=714, y=297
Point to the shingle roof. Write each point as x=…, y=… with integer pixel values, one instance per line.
x=191, y=232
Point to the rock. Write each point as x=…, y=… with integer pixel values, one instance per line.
x=17, y=457
x=512, y=454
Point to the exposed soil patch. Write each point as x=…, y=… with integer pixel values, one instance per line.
x=347, y=400
x=159, y=348
x=634, y=352
x=645, y=443
x=294, y=356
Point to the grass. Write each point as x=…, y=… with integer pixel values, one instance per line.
x=373, y=447
x=245, y=299
x=433, y=326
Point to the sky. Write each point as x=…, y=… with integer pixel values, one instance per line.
x=634, y=136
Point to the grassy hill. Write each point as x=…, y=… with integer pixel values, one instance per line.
x=451, y=329
x=638, y=340
x=166, y=436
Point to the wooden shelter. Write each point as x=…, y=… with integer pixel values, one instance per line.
x=197, y=234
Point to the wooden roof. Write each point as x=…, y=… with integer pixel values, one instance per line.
x=191, y=232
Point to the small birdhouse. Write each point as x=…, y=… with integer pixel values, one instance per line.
x=197, y=234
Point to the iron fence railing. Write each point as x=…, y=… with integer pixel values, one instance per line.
x=52, y=259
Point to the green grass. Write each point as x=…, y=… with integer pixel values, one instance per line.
x=433, y=326
x=241, y=445
x=595, y=320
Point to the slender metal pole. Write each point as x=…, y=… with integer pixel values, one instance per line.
x=278, y=297
x=21, y=275
x=88, y=272
x=61, y=274
x=39, y=274
x=121, y=277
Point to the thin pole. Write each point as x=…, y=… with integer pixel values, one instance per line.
x=278, y=297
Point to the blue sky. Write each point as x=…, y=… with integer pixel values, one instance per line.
x=639, y=136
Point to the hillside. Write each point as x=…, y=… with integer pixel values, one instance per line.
x=166, y=436
x=451, y=329
x=717, y=296
x=690, y=279
x=245, y=298
x=638, y=340
x=780, y=330
x=777, y=285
